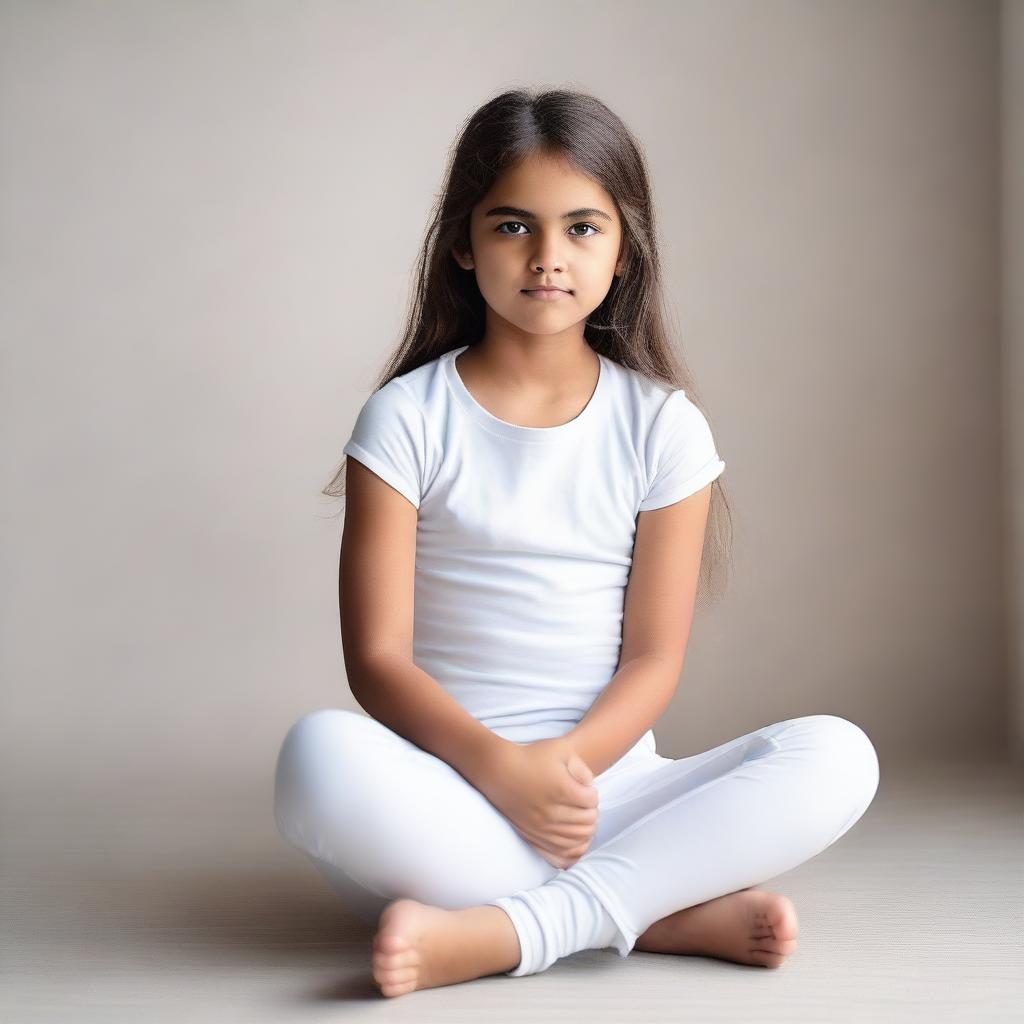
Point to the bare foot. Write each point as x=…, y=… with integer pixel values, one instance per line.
x=750, y=926
x=419, y=946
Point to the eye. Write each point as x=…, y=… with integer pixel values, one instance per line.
x=582, y=224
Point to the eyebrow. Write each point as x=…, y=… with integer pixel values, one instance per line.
x=515, y=211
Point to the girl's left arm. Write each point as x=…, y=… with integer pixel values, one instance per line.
x=657, y=614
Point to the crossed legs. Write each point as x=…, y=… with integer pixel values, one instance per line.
x=404, y=838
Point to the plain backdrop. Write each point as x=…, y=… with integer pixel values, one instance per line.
x=210, y=215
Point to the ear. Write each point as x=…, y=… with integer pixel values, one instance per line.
x=623, y=259
x=464, y=260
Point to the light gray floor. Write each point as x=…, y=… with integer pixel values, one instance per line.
x=199, y=912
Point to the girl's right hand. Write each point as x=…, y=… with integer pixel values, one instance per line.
x=546, y=791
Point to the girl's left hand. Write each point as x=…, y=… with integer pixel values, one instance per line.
x=547, y=793
x=563, y=859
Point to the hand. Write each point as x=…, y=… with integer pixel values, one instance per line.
x=546, y=791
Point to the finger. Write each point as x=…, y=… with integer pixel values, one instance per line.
x=565, y=843
x=579, y=769
x=567, y=857
x=575, y=794
x=541, y=841
x=561, y=863
x=567, y=815
x=571, y=857
x=572, y=833
x=553, y=842
x=552, y=858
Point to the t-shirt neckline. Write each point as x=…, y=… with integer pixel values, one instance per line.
x=513, y=430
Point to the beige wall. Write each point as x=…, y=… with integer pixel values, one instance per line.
x=210, y=216
x=1012, y=93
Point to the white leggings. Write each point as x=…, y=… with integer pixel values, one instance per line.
x=382, y=818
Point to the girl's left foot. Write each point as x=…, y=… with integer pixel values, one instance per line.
x=419, y=946
x=750, y=927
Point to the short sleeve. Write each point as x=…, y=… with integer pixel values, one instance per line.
x=680, y=455
x=389, y=438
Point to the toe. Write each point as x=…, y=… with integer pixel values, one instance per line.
x=397, y=990
x=764, y=958
x=397, y=977
x=782, y=947
x=390, y=942
x=773, y=952
x=395, y=961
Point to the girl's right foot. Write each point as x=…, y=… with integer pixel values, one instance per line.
x=750, y=927
x=420, y=946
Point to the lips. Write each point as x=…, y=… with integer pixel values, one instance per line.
x=546, y=293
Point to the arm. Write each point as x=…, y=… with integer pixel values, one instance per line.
x=375, y=589
x=657, y=615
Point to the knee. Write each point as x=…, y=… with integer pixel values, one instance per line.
x=316, y=735
x=848, y=754
x=310, y=754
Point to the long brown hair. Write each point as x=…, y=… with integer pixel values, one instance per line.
x=446, y=309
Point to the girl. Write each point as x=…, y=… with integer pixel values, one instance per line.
x=534, y=476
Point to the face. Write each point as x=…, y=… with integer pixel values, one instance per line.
x=544, y=223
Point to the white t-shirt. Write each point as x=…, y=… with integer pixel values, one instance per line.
x=524, y=537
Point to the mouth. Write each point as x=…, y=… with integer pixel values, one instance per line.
x=546, y=293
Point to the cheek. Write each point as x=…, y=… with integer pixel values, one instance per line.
x=496, y=287
x=499, y=272
x=492, y=261
x=491, y=273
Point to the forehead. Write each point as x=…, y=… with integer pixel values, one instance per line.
x=548, y=185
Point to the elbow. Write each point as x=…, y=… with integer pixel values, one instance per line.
x=355, y=672
x=668, y=665
x=364, y=670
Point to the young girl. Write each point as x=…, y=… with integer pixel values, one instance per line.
x=534, y=476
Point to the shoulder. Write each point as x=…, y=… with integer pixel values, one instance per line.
x=395, y=430
x=652, y=406
x=391, y=399
x=389, y=438
x=676, y=444
x=409, y=397
x=672, y=412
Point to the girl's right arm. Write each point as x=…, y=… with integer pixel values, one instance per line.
x=553, y=808
x=376, y=587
